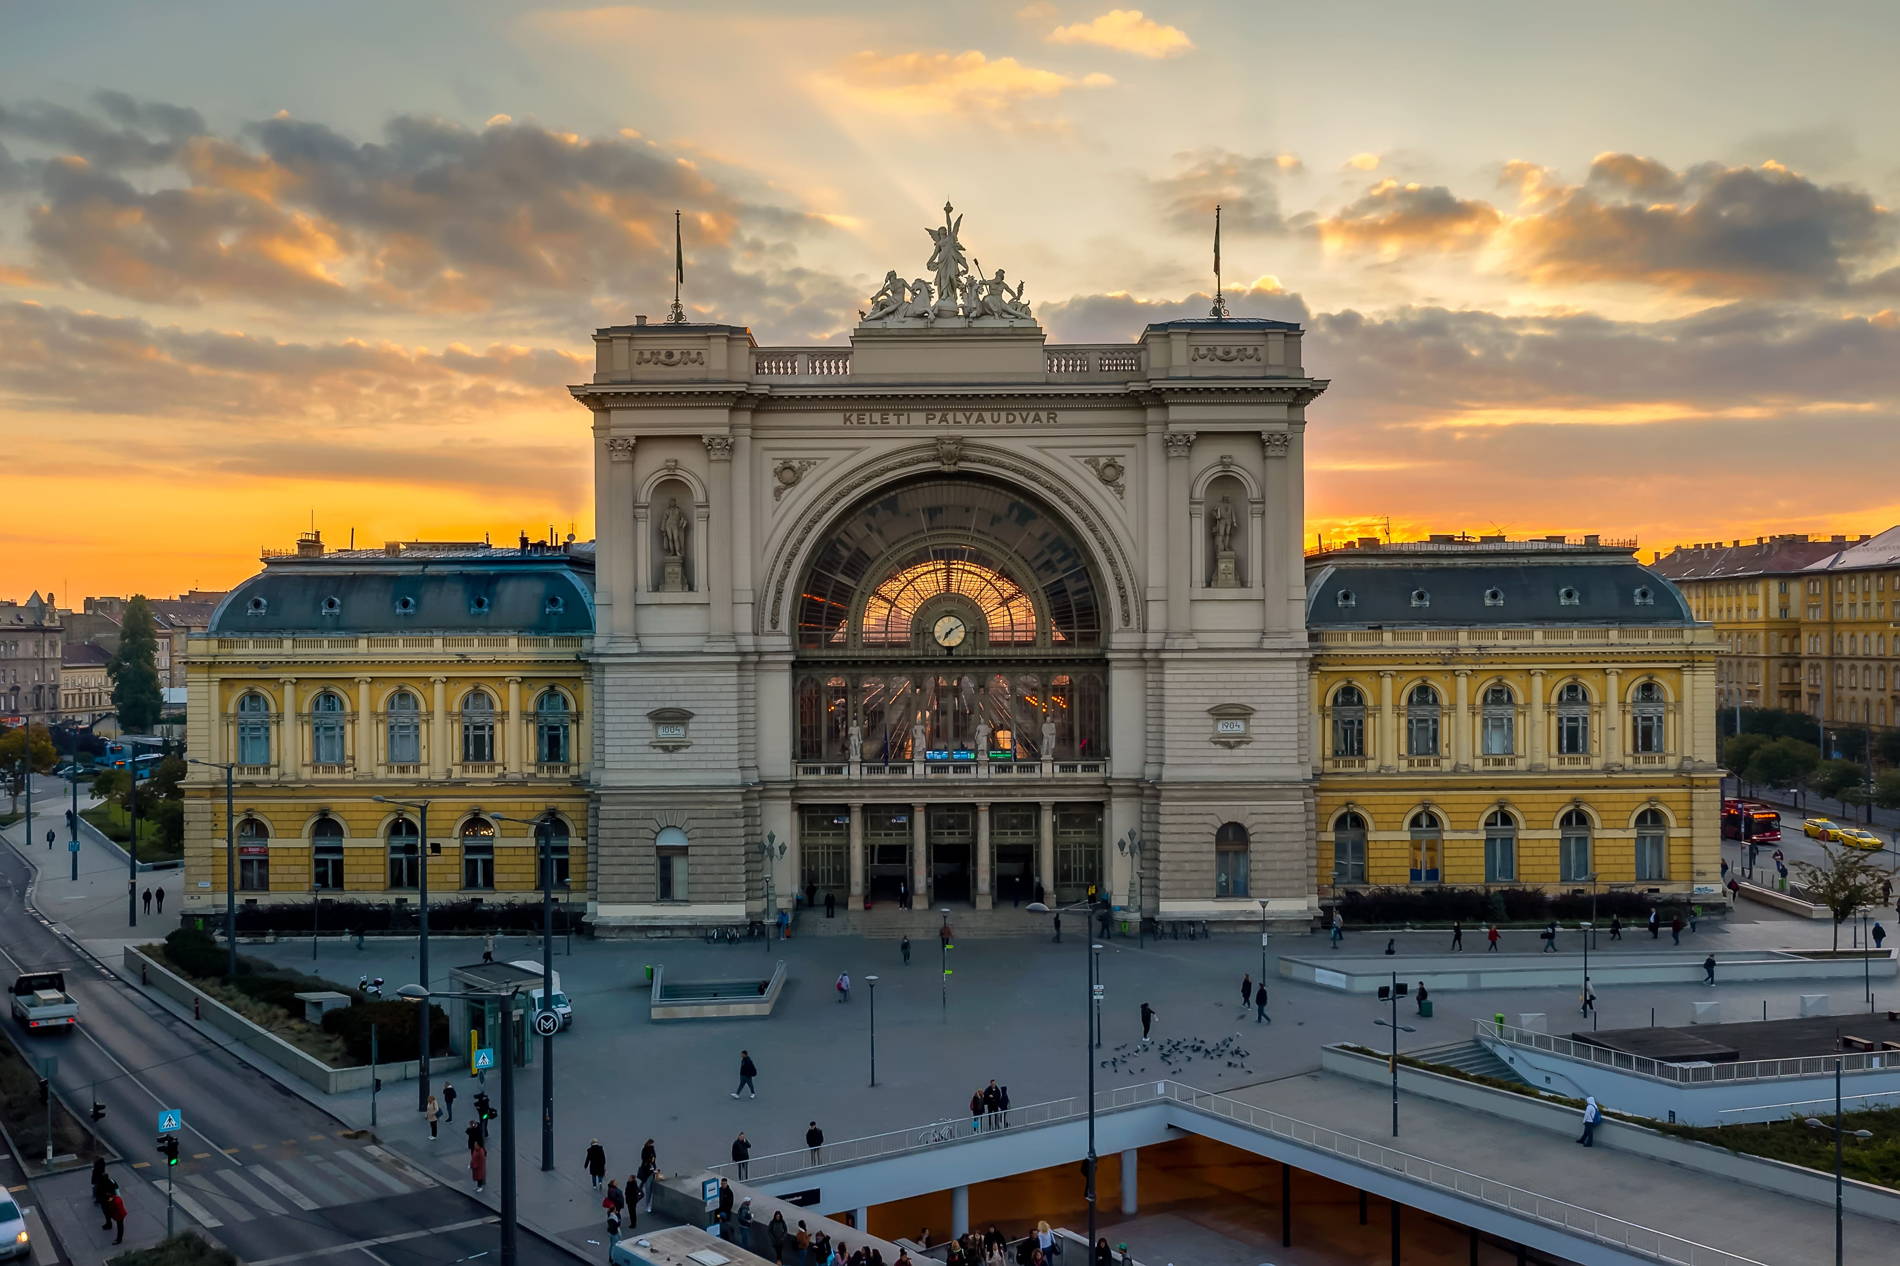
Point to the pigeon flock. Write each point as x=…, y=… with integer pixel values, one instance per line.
x=1176, y=1054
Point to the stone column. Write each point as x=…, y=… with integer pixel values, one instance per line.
x=1046, y=848
x=439, y=729
x=513, y=761
x=1461, y=721
x=1388, y=723
x=855, y=834
x=1275, y=553
x=1613, y=718
x=983, y=899
x=715, y=578
x=620, y=549
x=959, y=1210
x=740, y=560
x=1130, y=1180
x=363, y=749
x=1534, y=718
x=919, y=859
x=290, y=759
x=1180, y=565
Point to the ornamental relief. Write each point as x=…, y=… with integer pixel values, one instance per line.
x=1225, y=353
x=670, y=357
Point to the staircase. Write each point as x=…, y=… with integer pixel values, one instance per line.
x=886, y=922
x=1469, y=1056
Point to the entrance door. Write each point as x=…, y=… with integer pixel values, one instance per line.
x=952, y=838
x=1013, y=836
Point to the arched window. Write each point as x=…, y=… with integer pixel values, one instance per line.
x=1573, y=846
x=326, y=854
x=326, y=729
x=253, y=845
x=405, y=855
x=1500, y=847
x=551, y=841
x=1230, y=860
x=1498, y=722
x=553, y=729
x=478, y=728
x=1646, y=719
x=405, y=729
x=1421, y=721
x=478, y=853
x=1573, y=720
x=1349, y=849
x=1428, y=842
x=253, y=729
x=1349, y=721
x=1652, y=844
x=669, y=848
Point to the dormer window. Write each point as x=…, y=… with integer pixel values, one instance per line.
x=556, y=605
x=1568, y=597
x=332, y=606
x=478, y=606
x=256, y=606
x=405, y=605
x=1420, y=598
x=1347, y=598
x=1494, y=597
x=1645, y=598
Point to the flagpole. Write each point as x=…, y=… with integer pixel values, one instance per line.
x=678, y=315
x=1220, y=299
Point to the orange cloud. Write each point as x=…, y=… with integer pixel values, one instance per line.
x=1362, y=162
x=966, y=83
x=1126, y=31
x=1393, y=217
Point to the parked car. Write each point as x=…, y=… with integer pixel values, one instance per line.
x=1819, y=828
x=1854, y=837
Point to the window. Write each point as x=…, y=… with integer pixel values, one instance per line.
x=552, y=729
x=478, y=606
x=1421, y=722
x=1646, y=718
x=1349, y=849
x=1568, y=597
x=478, y=853
x=556, y=604
x=1347, y=598
x=405, y=855
x=256, y=606
x=332, y=606
x=1644, y=598
x=405, y=729
x=326, y=729
x=669, y=848
x=1230, y=860
x=253, y=844
x=326, y=853
x=1500, y=847
x=1652, y=844
x=1428, y=841
x=1498, y=722
x=478, y=728
x=1420, y=598
x=253, y=729
x=405, y=605
x=551, y=841
x=1573, y=720
x=1349, y=721
x=1573, y=846
x=1494, y=597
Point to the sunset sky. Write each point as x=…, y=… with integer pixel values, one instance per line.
x=1629, y=268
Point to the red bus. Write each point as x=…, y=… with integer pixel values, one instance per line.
x=1751, y=822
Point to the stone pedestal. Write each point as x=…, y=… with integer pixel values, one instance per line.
x=1226, y=570
x=673, y=576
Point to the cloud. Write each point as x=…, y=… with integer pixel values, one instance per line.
x=1126, y=31
x=1631, y=174
x=968, y=83
x=1245, y=186
x=1361, y=162
x=1391, y=218
x=1118, y=318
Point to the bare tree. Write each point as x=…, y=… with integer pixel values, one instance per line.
x=1847, y=883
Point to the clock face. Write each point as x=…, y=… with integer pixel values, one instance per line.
x=950, y=631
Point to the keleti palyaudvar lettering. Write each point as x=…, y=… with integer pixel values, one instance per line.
x=950, y=417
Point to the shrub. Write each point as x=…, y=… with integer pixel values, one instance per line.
x=180, y=1250
x=280, y=990
x=395, y=1029
x=196, y=953
x=384, y=917
x=1479, y=905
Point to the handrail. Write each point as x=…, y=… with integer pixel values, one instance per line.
x=1644, y=1241
x=1684, y=1074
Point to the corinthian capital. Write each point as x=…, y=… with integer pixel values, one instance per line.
x=1180, y=443
x=620, y=447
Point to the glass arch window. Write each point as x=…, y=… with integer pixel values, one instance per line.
x=670, y=850
x=1498, y=722
x=1573, y=720
x=553, y=729
x=404, y=724
x=326, y=729
x=1646, y=719
x=253, y=729
x=1349, y=721
x=1421, y=721
x=552, y=840
x=478, y=728
x=1349, y=849
x=1652, y=844
x=1500, y=847
x=253, y=844
x=326, y=854
x=405, y=855
x=478, y=853
x=1231, y=852
x=1428, y=842
x=1573, y=846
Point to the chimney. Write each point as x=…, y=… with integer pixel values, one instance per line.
x=1549, y=540
x=1837, y=540
x=1590, y=539
x=1439, y=538
x=310, y=545
x=392, y=549
x=1491, y=540
x=640, y=320
x=1364, y=542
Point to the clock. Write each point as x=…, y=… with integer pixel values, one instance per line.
x=950, y=631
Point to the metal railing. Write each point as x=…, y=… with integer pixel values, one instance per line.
x=1574, y=1219
x=1685, y=1074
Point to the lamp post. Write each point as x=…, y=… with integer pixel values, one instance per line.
x=543, y=827
x=770, y=849
x=1840, y=1131
x=1589, y=934
x=1866, y=962
x=504, y=1056
x=1088, y=1169
x=872, y=981
x=422, y=934
x=943, y=958
x=230, y=867
x=1130, y=846
x=1397, y=1029
x=1095, y=991
x=72, y=845
x=1263, y=941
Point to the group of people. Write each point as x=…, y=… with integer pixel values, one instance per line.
x=151, y=897
x=1252, y=994
x=105, y=1194
x=622, y=1204
x=989, y=1107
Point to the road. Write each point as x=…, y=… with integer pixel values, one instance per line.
x=1796, y=847
x=265, y=1173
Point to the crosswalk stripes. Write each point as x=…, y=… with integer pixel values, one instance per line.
x=216, y=1195
x=374, y=1173
x=198, y=1212
x=235, y=1181
x=282, y=1188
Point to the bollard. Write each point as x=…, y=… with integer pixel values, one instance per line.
x=196, y=1012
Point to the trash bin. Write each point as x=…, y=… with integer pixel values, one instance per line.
x=649, y=975
x=1425, y=1008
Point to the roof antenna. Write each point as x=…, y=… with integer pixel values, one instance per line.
x=678, y=314
x=1220, y=300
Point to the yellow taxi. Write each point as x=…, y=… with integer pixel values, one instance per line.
x=1854, y=837
x=1819, y=829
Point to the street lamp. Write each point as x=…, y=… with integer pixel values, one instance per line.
x=505, y=1056
x=943, y=958
x=543, y=836
x=422, y=934
x=872, y=981
x=1088, y=1054
x=1095, y=992
x=1397, y=1029
x=1840, y=1131
x=1589, y=934
x=230, y=863
x=1130, y=846
x=1263, y=941
x=771, y=850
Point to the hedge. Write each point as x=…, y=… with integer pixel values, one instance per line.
x=180, y=1250
x=1479, y=906
x=395, y=1029
x=380, y=917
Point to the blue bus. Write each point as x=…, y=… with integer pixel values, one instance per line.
x=120, y=755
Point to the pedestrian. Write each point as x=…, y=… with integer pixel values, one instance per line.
x=1422, y=996
x=115, y=1216
x=145, y=900
x=1587, y=1001
x=726, y=1198
x=632, y=1194
x=1246, y=990
x=448, y=1101
x=478, y=1164
x=595, y=1162
x=1616, y=927
x=944, y=933
x=1104, y=1255
x=831, y=905
x=103, y=1189
x=488, y=947
x=615, y=1203
x=814, y=1140
x=1045, y=1240
x=433, y=1113
x=1695, y=912
x=784, y=924
x=474, y=1135
x=1058, y=920
x=1549, y=937
x=742, y=1224
x=742, y=1155
x=811, y=894
x=1708, y=970
x=649, y=1173
x=158, y=899
x=992, y=1100
x=1002, y=1106
x=1391, y=945
x=904, y=946
x=1107, y=915
x=1260, y=1015
x=1675, y=930
x=1041, y=893
x=1458, y=937
x=1591, y=1115
x=843, y=986
x=1886, y=892
x=747, y=1071
x=359, y=938
x=777, y=1232
x=1878, y=933
x=976, y=1110
x=903, y=895
x=1655, y=925
x=1491, y=939
x=1148, y=1014
x=1338, y=932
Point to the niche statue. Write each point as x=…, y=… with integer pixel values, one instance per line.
x=674, y=527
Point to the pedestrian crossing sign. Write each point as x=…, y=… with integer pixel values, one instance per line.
x=481, y=1059
x=171, y=1120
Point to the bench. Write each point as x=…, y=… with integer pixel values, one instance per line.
x=1856, y=1043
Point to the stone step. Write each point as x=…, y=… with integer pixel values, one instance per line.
x=1468, y=1056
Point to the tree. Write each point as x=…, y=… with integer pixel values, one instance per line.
x=1847, y=883
x=1832, y=777
x=1777, y=723
x=20, y=747
x=1782, y=762
x=1887, y=789
x=1738, y=751
x=136, y=693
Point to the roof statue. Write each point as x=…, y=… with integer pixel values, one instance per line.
x=957, y=294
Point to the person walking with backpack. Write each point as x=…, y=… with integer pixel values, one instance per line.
x=595, y=1162
x=615, y=1203
x=747, y=1071
x=843, y=986
x=1591, y=1115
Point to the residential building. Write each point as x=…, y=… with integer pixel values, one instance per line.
x=30, y=638
x=85, y=687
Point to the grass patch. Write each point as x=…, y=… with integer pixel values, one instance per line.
x=180, y=1250
x=308, y=1038
x=8, y=819
x=25, y=1117
x=116, y=824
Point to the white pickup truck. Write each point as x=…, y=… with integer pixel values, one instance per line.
x=562, y=1007
x=40, y=1001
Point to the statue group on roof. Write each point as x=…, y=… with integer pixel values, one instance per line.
x=957, y=291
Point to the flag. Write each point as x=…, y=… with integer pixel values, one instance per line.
x=679, y=253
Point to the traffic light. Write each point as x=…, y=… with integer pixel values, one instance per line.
x=98, y=1111
x=484, y=1110
x=168, y=1148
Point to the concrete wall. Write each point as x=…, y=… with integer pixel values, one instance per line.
x=1565, y=970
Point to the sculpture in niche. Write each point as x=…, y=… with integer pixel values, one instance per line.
x=674, y=527
x=1220, y=525
x=917, y=742
x=982, y=738
x=956, y=290
x=855, y=741
x=1048, y=737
